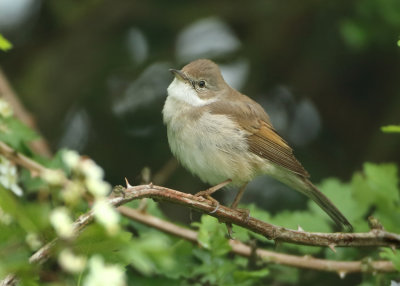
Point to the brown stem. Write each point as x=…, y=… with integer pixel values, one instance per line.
x=375, y=237
x=307, y=262
x=34, y=167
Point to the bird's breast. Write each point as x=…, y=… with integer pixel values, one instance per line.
x=211, y=146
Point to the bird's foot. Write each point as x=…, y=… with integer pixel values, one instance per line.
x=215, y=202
x=213, y=189
x=229, y=229
x=209, y=198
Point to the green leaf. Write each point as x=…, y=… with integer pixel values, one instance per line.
x=342, y=197
x=211, y=236
x=151, y=254
x=5, y=45
x=392, y=256
x=15, y=133
x=14, y=207
x=377, y=188
x=391, y=128
x=246, y=275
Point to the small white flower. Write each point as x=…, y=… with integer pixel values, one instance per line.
x=71, y=262
x=97, y=187
x=106, y=215
x=62, y=223
x=9, y=176
x=5, y=109
x=32, y=239
x=101, y=274
x=72, y=192
x=91, y=170
x=53, y=177
x=71, y=158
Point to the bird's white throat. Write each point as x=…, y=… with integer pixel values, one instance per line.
x=184, y=91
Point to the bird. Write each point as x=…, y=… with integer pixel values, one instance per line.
x=225, y=137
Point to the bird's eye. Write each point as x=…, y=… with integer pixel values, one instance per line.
x=202, y=83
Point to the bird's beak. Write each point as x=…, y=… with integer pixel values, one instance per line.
x=179, y=75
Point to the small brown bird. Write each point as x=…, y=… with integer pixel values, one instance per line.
x=225, y=137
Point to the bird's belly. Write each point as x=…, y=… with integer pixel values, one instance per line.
x=213, y=148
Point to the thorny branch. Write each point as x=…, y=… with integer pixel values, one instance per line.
x=375, y=237
x=307, y=262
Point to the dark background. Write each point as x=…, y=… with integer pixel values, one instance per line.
x=94, y=74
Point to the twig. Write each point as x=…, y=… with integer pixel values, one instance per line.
x=137, y=192
x=372, y=238
x=307, y=262
x=375, y=237
x=20, y=159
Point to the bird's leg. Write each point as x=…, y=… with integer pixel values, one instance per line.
x=238, y=196
x=246, y=213
x=213, y=189
x=207, y=193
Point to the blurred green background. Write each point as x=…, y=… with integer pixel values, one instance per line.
x=94, y=73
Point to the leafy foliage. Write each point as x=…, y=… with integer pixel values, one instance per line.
x=393, y=256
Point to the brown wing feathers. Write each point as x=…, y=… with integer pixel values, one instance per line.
x=269, y=145
x=263, y=139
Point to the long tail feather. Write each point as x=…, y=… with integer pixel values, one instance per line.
x=326, y=204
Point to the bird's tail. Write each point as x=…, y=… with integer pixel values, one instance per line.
x=317, y=196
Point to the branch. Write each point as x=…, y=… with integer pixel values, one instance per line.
x=307, y=262
x=372, y=238
x=375, y=237
x=137, y=192
x=20, y=159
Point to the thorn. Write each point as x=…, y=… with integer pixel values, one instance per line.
x=299, y=228
x=342, y=274
x=332, y=247
x=127, y=183
x=393, y=247
x=151, y=185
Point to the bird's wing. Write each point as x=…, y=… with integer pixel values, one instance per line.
x=263, y=140
x=266, y=143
